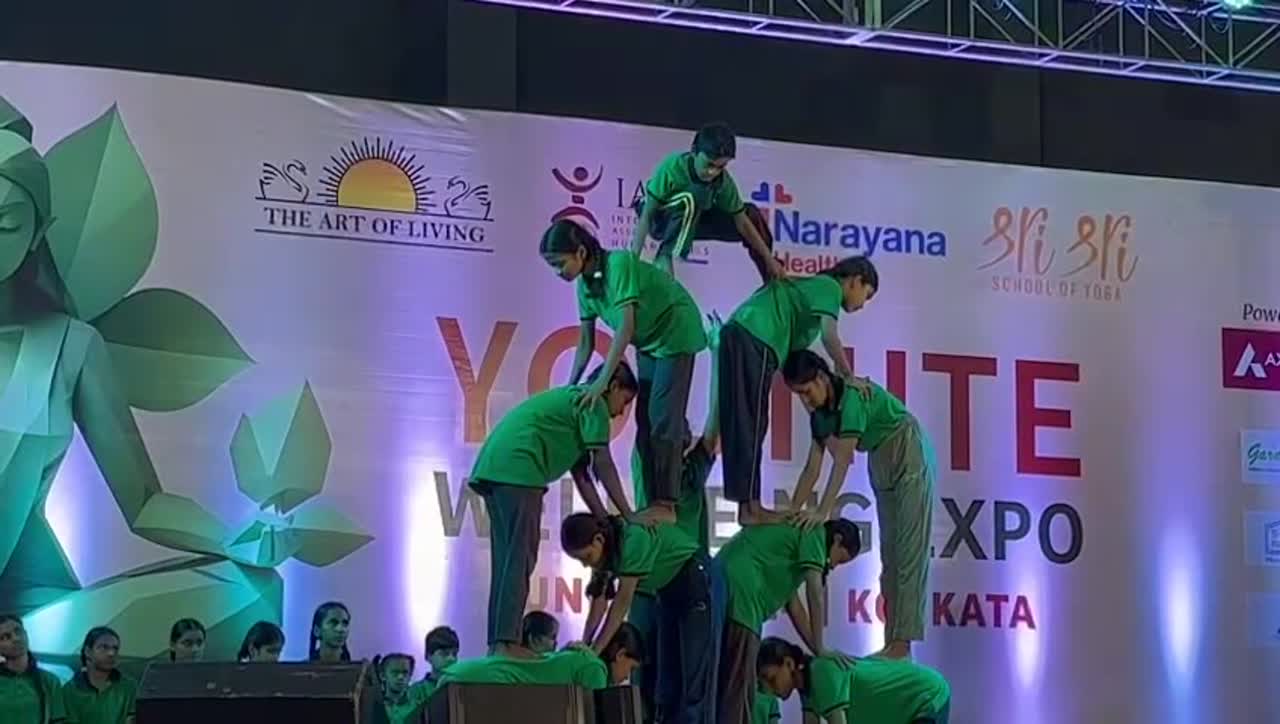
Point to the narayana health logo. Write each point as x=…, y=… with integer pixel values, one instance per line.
x=793, y=226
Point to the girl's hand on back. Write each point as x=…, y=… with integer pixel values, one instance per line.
x=591, y=395
x=862, y=385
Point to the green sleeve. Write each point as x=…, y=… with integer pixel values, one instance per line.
x=828, y=687
x=812, y=551
x=822, y=294
x=594, y=673
x=728, y=199
x=663, y=183
x=639, y=551
x=775, y=710
x=593, y=425
x=853, y=414
x=586, y=307
x=621, y=278
x=56, y=703
x=637, y=478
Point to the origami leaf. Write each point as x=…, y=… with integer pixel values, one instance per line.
x=261, y=544
x=170, y=350
x=106, y=221
x=325, y=536
x=11, y=119
x=180, y=523
x=281, y=453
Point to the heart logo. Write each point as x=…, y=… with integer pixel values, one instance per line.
x=780, y=195
x=761, y=193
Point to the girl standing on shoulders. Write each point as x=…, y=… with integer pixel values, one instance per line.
x=781, y=317
x=661, y=561
x=648, y=308
x=330, y=626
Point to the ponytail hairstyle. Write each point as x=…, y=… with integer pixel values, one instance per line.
x=181, y=627
x=91, y=640
x=775, y=651
x=567, y=237
x=537, y=624
x=322, y=611
x=578, y=530
x=622, y=375
x=32, y=669
x=260, y=635
x=628, y=640
x=854, y=266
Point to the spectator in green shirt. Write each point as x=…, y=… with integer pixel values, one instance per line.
x=662, y=561
x=330, y=629
x=765, y=566
x=263, y=643
x=404, y=704
x=539, y=632
x=441, y=649
x=99, y=693
x=901, y=466
x=28, y=694
x=781, y=317
x=535, y=444
x=883, y=691
x=646, y=307
x=692, y=196
x=765, y=708
x=186, y=640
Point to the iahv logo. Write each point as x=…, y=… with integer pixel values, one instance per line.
x=793, y=226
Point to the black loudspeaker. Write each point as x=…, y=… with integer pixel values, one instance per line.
x=619, y=705
x=509, y=704
x=222, y=693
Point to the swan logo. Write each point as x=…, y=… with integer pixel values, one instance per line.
x=376, y=191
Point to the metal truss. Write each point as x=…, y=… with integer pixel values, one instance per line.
x=1187, y=41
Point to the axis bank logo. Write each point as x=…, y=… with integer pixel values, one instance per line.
x=792, y=225
x=1250, y=359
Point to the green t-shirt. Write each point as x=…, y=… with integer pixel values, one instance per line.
x=786, y=314
x=692, y=515
x=540, y=439
x=764, y=566
x=423, y=689
x=409, y=710
x=883, y=691
x=765, y=708
x=21, y=695
x=87, y=705
x=675, y=174
x=871, y=420
x=654, y=555
x=564, y=668
x=668, y=322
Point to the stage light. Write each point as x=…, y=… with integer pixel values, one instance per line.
x=1236, y=4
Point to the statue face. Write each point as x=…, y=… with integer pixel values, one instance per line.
x=17, y=226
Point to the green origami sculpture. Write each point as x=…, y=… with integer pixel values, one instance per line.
x=78, y=350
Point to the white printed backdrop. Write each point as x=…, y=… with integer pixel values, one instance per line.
x=1105, y=538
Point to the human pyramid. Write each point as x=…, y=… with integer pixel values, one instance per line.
x=700, y=619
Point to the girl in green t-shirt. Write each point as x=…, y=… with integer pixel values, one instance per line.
x=765, y=566
x=901, y=467
x=28, y=694
x=402, y=703
x=99, y=693
x=649, y=309
x=873, y=690
x=262, y=644
x=665, y=562
x=783, y=316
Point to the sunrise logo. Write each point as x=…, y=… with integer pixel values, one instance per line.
x=822, y=234
x=377, y=176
